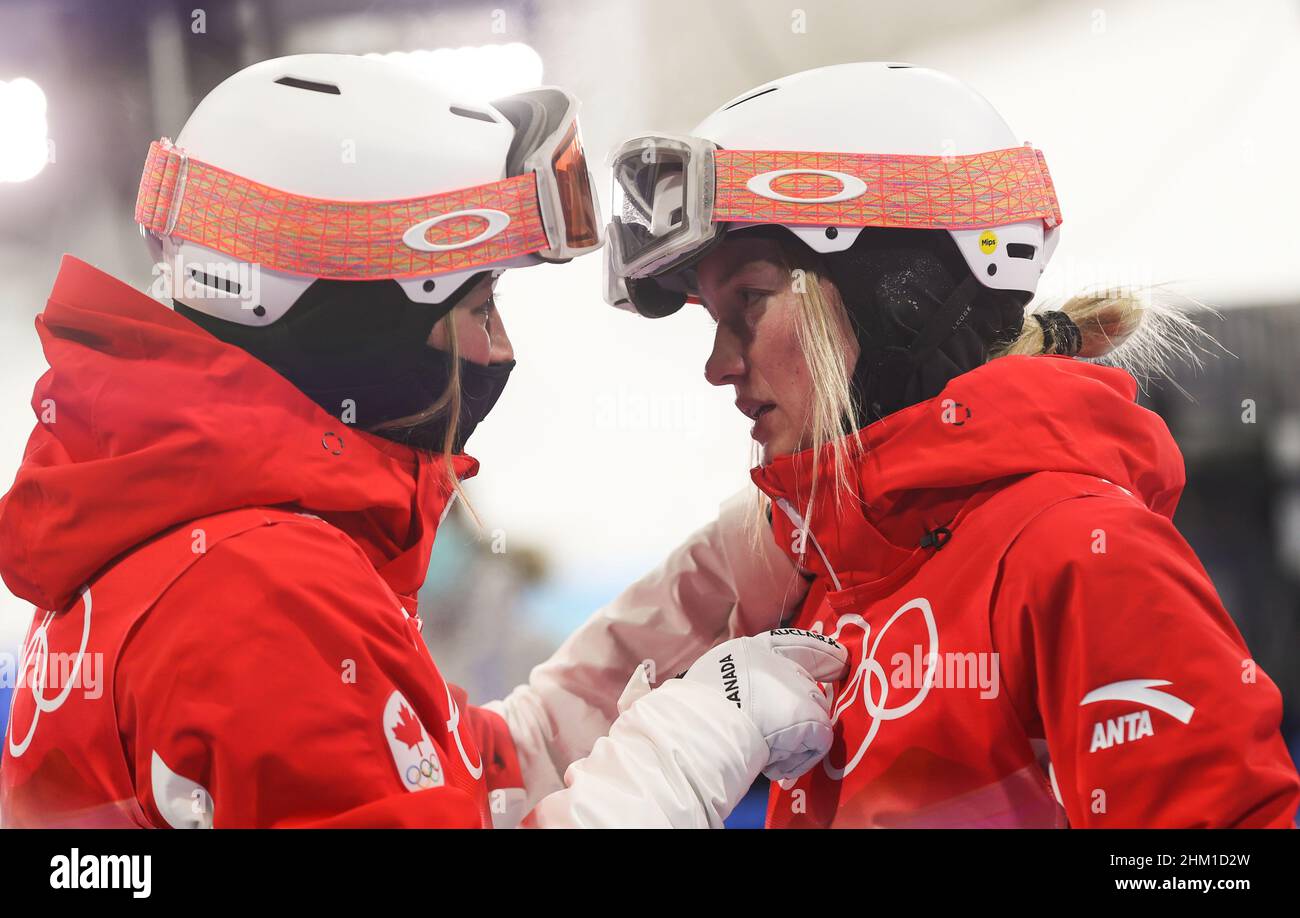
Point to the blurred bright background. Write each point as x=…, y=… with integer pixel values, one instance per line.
x=1171, y=132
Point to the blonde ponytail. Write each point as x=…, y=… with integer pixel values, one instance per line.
x=1144, y=330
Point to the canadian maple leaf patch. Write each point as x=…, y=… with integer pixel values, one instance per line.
x=414, y=754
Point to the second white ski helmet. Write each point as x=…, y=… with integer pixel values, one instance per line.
x=827, y=153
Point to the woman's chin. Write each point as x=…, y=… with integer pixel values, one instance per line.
x=776, y=447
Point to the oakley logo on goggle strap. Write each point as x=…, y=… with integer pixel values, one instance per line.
x=993, y=188
x=189, y=200
x=850, y=186
x=417, y=236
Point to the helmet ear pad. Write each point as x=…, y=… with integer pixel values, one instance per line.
x=895, y=285
x=348, y=344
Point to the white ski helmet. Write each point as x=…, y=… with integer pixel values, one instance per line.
x=359, y=168
x=826, y=153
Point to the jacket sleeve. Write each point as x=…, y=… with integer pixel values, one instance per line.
x=507, y=799
x=1115, y=647
x=720, y=583
x=253, y=693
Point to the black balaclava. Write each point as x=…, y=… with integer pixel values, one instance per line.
x=366, y=341
x=920, y=316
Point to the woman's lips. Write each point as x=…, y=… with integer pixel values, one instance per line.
x=756, y=411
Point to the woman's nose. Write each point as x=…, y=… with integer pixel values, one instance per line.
x=500, y=351
x=726, y=364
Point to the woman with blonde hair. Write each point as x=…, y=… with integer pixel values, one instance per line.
x=979, y=509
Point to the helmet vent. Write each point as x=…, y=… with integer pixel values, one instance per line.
x=747, y=98
x=223, y=284
x=312, y=85
x=899, y=66
x=1020, y=250
x=471, y=113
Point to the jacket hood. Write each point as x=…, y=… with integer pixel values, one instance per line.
x=146, y=421
x=1011, y=417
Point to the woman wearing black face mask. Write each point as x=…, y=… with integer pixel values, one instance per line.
x=417, y=373
x=226, y=510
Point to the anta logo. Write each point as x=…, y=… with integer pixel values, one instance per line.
x=1130, y=727
x=1126, y=729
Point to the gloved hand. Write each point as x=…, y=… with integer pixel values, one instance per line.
x=684, y=754
x=718, y=584
x=773, y=679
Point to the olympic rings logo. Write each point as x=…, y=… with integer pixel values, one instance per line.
x=36, y=654
x=426, y=773
x=869, y=672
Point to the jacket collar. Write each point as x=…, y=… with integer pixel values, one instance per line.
x=155, y=423
x=919, y=469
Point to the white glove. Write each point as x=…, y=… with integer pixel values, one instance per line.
x=773, y=679
x=684, y=754
x=716, y=585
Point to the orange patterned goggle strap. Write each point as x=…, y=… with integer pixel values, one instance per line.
x=460, y=230
x=870, y=189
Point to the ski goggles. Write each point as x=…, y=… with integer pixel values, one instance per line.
x=545, y=208
x=674, y=198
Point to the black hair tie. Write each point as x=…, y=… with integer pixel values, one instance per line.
x=936, y=538
x=1060, y=334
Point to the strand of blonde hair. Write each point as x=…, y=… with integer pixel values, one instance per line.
x=449, y=402
x=819, y=329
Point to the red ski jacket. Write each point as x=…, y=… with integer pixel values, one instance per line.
x=1032, y=642
x=225, y=582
